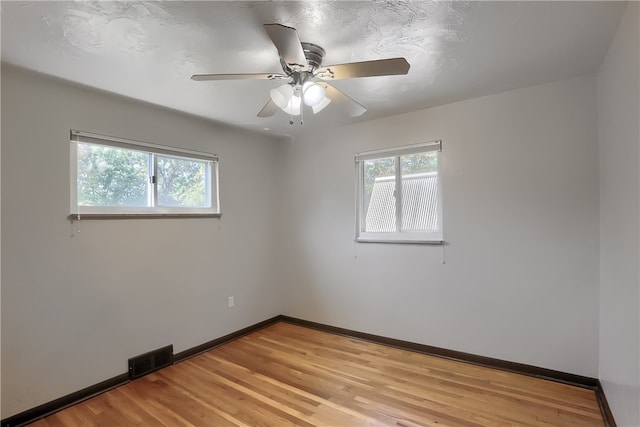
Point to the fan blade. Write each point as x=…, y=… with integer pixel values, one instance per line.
x=268, y=110
x=288, y=44
x=381, y=67
x=254, y=76
x=335, y=95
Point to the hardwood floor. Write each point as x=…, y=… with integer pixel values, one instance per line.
x=287, y=375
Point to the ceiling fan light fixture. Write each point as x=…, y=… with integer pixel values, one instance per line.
x=293, y=106
x=312, y=93
x=302, y=65
x=281, y=95
x=320, y=106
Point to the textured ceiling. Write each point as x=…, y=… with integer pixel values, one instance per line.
x=457, y=50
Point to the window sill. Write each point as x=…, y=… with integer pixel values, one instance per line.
x=402, y=242
x=75, y=216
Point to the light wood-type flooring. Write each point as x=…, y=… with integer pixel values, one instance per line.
x=286, y=375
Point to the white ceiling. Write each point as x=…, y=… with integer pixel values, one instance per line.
x=457, y=50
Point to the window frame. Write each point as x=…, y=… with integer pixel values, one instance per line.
x=398, y=236
x=153, y=150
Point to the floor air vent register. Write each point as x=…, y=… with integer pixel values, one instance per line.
x=152, y=361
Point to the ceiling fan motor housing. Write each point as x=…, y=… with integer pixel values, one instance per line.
x=314, y=55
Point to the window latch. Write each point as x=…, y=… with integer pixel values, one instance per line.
x=152, y=179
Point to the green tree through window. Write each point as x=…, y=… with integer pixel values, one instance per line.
x=181, y=182
x=109, y=176
x=121, y=177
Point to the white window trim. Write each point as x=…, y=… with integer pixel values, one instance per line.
x=427, y=238
x=146, y=211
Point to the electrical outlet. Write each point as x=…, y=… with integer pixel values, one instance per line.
x=231, y=302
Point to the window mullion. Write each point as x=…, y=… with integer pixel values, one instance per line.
x=398, y=190
x=153, y=180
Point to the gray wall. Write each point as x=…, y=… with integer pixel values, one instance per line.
x=78, y=299
x=619, y=134
x=520, y=188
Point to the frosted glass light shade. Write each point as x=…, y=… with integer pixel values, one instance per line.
x=281, y=95
x=317, y=108
x=293, y=106
x=312, y=93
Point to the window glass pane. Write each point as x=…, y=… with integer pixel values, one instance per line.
x=419, y=191
x=109, y=176
x=379, y=202
x=182, y=182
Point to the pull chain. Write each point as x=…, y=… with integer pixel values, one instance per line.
x=78, y=230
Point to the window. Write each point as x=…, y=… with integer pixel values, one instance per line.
x=399, y=196
x=114, y=176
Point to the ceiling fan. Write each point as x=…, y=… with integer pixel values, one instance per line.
x=302, y=65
